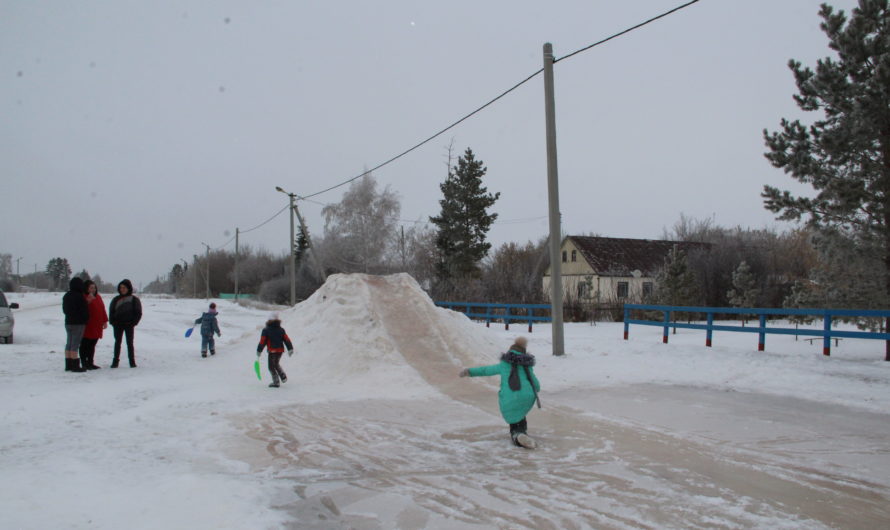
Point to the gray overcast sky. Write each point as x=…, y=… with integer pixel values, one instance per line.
x=133, y=131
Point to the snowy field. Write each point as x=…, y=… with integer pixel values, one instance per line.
x=374, y=430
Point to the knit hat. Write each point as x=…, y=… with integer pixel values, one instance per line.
x=212, y=305
x=274, y=316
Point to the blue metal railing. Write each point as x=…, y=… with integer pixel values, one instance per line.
x=500, y=312
x=827, y=315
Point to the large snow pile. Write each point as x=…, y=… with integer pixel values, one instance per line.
x=384, y=331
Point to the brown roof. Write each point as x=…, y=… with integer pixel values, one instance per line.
x=610, y=256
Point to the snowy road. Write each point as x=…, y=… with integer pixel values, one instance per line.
x=374, y=429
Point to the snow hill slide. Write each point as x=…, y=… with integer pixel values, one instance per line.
x=408, y=444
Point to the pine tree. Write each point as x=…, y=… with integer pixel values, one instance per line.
x=464, y=220
x=744, y=292
x=845, y=155
x=58, y=271
x=302, y=244
x=676, y=284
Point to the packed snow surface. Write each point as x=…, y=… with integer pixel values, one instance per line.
x=375, y=430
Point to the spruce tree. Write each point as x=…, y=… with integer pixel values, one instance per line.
x=744, y=292
x=464, y=220
x=844, y=155
x=676, y=284
x=59, y=271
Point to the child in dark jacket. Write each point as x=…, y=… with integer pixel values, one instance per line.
x=209, y=326
x=275, y=339
x=519, y=389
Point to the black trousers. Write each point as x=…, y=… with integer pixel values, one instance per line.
x=275, y=367
x=520, y=427
x=87, y=351
x=119, y=332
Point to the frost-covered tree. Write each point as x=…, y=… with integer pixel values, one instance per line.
x=464, y=221
x=59, y=272
x=360, y=230
x=5, y=265
x=844, y=155
x=676, y=283
x=744, y=292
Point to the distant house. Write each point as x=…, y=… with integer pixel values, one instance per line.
x=599, y=270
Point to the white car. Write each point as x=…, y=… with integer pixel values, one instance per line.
x=6, y=320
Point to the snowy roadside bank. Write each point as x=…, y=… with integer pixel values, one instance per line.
x=183, y=441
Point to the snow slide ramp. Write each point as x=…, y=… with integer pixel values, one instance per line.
x=386, y=338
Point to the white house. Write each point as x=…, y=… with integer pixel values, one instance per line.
x=605, y=270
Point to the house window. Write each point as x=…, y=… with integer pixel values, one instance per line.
x=583, y=290
x=647, y=289
x=574, y=256
x=622, y=289
x=564, y=254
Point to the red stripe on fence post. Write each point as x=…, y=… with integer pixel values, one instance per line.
x=761, y=342
x=667, y=324
x=710, y=331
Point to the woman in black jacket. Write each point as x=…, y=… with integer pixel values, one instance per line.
x=124, y=313
x=77, y=313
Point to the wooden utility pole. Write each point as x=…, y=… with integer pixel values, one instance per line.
x=553, y=196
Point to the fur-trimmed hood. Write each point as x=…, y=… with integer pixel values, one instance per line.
x=517, y=355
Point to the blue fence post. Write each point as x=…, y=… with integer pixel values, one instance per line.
x=826, y=339
x=507, y=318
x=761, y=338
x=710, y=331
x=488, y=317
x=530, y=312
x=626, y=323
x=667, y=325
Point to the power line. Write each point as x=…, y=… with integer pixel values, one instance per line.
x=267, y=221
x=498, y=97
x=626, y=31
x=431, y=138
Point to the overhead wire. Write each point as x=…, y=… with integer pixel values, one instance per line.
x=463, y=119
x=498, y=97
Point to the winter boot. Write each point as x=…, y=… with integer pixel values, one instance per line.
x=212, y=352
x=274, y=385
x=73, y=365
x=283, y=378
x=116, y=361
x=132, y=358
x=525, y=440
x=204, y=354
x=91, y=364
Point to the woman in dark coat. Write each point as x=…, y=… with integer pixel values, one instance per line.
x=74, y=305
x=124, y=314
x=97, y=322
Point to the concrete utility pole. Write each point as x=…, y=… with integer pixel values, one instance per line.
x=305, y=231
x=553, y=195
x=195, y=275
x=293, y=243
x=237, y=233
x=207, y=275
x=185, y=269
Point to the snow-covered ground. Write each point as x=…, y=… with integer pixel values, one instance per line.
x=374, y=429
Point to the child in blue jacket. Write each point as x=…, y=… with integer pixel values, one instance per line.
x=209, y=326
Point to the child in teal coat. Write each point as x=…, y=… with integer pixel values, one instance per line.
x=519, y=389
